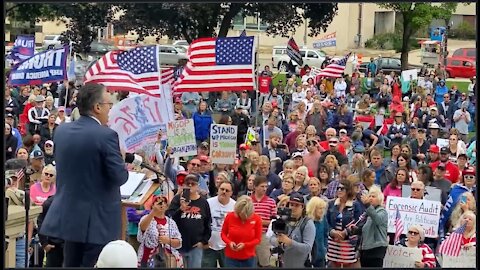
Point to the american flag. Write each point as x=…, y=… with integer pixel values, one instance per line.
x=243, y=34
x=398, y=226
x=166, y=75
x=334, y=69
x=136, y=70
x=218, y=64
x=294, y=52
x=453, y=244
x=19, y=174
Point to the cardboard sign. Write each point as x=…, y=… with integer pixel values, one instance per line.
x=181, y=137
x=466, y=259
x=138, y=119
x=442, y=143
x=223, y=139
x=413, y=211
x=401, y=257
x=407, y=73
x=432, y=193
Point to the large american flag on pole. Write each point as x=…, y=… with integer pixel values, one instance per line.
x=136, y=70
x=335, y=69
x=398, y=226
x=219, y=64
x=453, y=244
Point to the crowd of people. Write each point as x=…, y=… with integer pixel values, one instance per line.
x=308, y=190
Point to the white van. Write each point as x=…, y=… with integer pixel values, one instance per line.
x=311, y=57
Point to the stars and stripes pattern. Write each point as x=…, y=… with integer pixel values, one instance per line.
x=218, y=64
x=453, y=244
x=398, y=226
x=166, y=75
x=294, y=52
x=335, y=69
x=243, y=33
x=136, y=70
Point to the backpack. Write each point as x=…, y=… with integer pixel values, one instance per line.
x=313, y=252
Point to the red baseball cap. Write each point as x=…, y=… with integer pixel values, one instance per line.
x=469, y=171
x=244, y=146
x=434, y=149
x=181, y=177
x=204, y=158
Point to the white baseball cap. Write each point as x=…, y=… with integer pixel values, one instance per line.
x=117, y=254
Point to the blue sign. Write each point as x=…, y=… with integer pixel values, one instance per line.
x=325, y=43
x=23, y=48
x=437, y=33
x=45, y=67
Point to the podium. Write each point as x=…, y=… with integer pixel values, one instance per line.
x=136, y=200
x=14, y=226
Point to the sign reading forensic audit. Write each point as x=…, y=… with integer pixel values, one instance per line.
x=45, y=67
x=223, y=139
x=181, y=137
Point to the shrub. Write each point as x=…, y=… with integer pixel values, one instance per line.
x=389, y=41
x=463, y=31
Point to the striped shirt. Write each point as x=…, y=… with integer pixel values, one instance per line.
x=265, y=208
x=343, y=251
x=428, y=258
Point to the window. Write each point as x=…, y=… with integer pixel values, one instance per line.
x=467, y=64
x=472, y=53
x=456, y=63
x=279, y=51
x=166, y=50
x=458, y=52
x=311, y=54
x=302, y=53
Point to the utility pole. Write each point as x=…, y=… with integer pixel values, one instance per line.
x=305, y=32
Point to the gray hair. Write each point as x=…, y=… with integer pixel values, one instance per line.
x=420, y=230
x=89, y=95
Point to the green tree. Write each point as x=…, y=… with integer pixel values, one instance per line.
x=416, y=16
x=190, y=21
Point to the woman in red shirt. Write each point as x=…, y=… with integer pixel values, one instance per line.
x=241, y=232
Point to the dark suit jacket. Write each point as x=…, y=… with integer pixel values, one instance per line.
x=90, y=171
x=279, y=153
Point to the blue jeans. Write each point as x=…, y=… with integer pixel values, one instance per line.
x=20, y=256
x=234, y=263
x=193, y=258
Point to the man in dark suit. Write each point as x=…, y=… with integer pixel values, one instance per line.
x=86, y=212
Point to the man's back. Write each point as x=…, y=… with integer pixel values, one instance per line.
x=90, y=171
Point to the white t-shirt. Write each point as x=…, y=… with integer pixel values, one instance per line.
x=218, y=212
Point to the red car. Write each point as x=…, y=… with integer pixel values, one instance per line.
x=461, y=67
x=470, y=53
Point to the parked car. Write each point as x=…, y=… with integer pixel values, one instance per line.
x=169, y=54
x=97, y=50
x=181, y=43
x=461, y=67
x=311, y=57
x=470, y=53
x=388, y=64
x=51, y=41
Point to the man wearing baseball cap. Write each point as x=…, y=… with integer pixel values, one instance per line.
x=452, y=172
x=440, y=182
x=48, y=155
x=433, y=153
x=37, y=163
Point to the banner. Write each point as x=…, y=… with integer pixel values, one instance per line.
x=466, y=259
x=329, y=40
x=45, y=67
x=401, y=257
x=23, y=48
x=223, y=144
x=181, y=137
x=413, y=211
x=137, y=120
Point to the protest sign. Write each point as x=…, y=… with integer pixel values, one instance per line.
x=45, y=67
x=329, y=40
x=181, y=137
x=223, y=144
x=466, y=259
x=442, y=142
x=409, y=74
x=137, y=120
x=413, y=211
x=23, y=48
x=401, y=257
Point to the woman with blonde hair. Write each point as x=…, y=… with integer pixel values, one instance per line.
x=241, y=232
x=332, y=163
x=316, y=209
x=253, y=158
x=288, y=184
x=359, y=164
x=466, y=203
x=40, y=191
x=288, y=167
x=469, y=238
x=301, y=180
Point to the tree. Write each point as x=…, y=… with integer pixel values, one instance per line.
x=416, y=16
x=191, y=21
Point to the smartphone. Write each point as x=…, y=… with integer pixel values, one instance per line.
x=282, y=146
x=186, y=194
x=464, y=199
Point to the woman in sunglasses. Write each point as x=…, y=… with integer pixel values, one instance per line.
x=44, y=188
x=159, y=236
x=415, y=239
x=343, y=212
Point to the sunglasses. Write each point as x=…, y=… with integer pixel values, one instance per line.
x=195, y=164
x=225, y=190
x=310, y=143
x=469, y=176
x=49, y=174
x=413, y=233
x=340, y=188
x=333, y=142
x=191, y=184
x=416, y=189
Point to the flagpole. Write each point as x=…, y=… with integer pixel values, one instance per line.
x=68, y=81
x=257, y=97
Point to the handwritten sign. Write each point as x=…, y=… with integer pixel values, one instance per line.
x=181, y=137
x=137, y=120
x=223, y=139
x=401, y=257
x=442, y=142
x=466, y=259
x=413, y=211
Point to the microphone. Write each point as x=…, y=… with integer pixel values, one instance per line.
x=137, y=160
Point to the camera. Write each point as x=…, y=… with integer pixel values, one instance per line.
x=280, y=224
